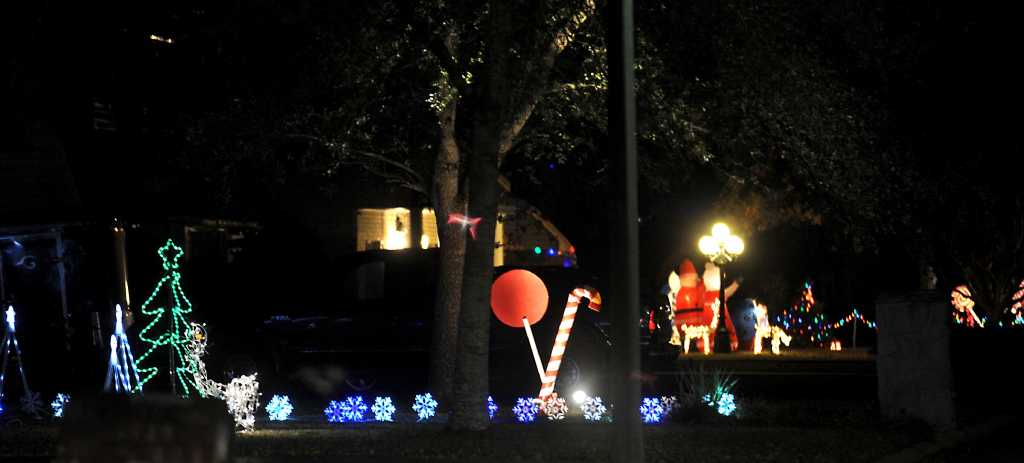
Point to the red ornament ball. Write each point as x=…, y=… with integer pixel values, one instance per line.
x=517, y=294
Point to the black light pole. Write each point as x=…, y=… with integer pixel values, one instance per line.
x=627, y=446
x=721, y=247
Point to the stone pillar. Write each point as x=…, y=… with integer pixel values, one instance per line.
x=914, y=373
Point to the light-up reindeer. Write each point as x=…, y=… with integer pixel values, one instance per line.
x=241, y=394
x=763, y=330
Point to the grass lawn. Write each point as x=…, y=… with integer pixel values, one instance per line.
x=542, y=441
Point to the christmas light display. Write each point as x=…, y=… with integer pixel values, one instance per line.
x=122, y=374
x=279, y=408
x=564, y=331
x=804, y=320
x=593, y=409
x=1017, y=309
x=353, y=409
x=30, y=403
x=520, y=299
x=725, y=404
x=670, y=404
x=779, y=336
x=333, y=412
x=554, y=407
x=58, y=404
x=963, y=308
x=241, y=394
x=492, y=407
x=425, y=406
x=525, y=410
x=805, y=323
x=835, y=346
x=651, y=410
x=168, y=296
x=465, y=222
x=383, y=409
x=697, y=333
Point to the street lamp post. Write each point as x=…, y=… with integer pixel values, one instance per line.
x=721, y=247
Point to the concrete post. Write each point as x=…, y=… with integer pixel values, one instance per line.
x=914, y=372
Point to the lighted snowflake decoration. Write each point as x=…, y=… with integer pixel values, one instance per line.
x=333, y=412
x=58, y=405
x=425, y=406
x=555, y=408
x=492, y=407
x=279, y=408
x=31, y=405
x=670, y=404
x=383, y=409
x=353, y=409
x=727, y=404
x=593, y=409
x=525, y=410
x=651, y=410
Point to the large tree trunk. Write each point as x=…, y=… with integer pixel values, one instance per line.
x=469, y=411
x=448, y=299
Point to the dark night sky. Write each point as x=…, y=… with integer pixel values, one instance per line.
x=944, y=72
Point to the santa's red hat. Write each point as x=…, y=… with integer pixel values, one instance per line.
x=687, y=268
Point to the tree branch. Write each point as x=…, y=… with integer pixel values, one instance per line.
x=413, y=182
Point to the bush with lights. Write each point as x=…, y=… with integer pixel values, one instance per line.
x=704, y=397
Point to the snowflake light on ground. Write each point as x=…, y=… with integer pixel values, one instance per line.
x=727, y=404
x=593, y=409
x=555, y=408
x=651, y=410
x=525, y=410
x=492, y=407
x=353, y=409
x=383, y=409
x=669, y=403
x=425, y=406
x=58, y=405
x=333, y=412
x=279, y=408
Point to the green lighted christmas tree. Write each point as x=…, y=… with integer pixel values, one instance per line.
x=168, y=305
x=804, y=321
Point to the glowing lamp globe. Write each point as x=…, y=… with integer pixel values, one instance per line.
x=720, y=231
x=517, y=294
x=708, y=246
x=734, y=245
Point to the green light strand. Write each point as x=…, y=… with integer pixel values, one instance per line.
x=179, y=334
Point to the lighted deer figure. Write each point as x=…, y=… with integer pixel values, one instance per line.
x=241, y=394
x=762, y=330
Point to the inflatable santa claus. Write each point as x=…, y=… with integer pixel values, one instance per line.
x=714, y=312
x=689, y=301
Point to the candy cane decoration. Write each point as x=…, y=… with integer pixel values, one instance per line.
x=564, y=330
